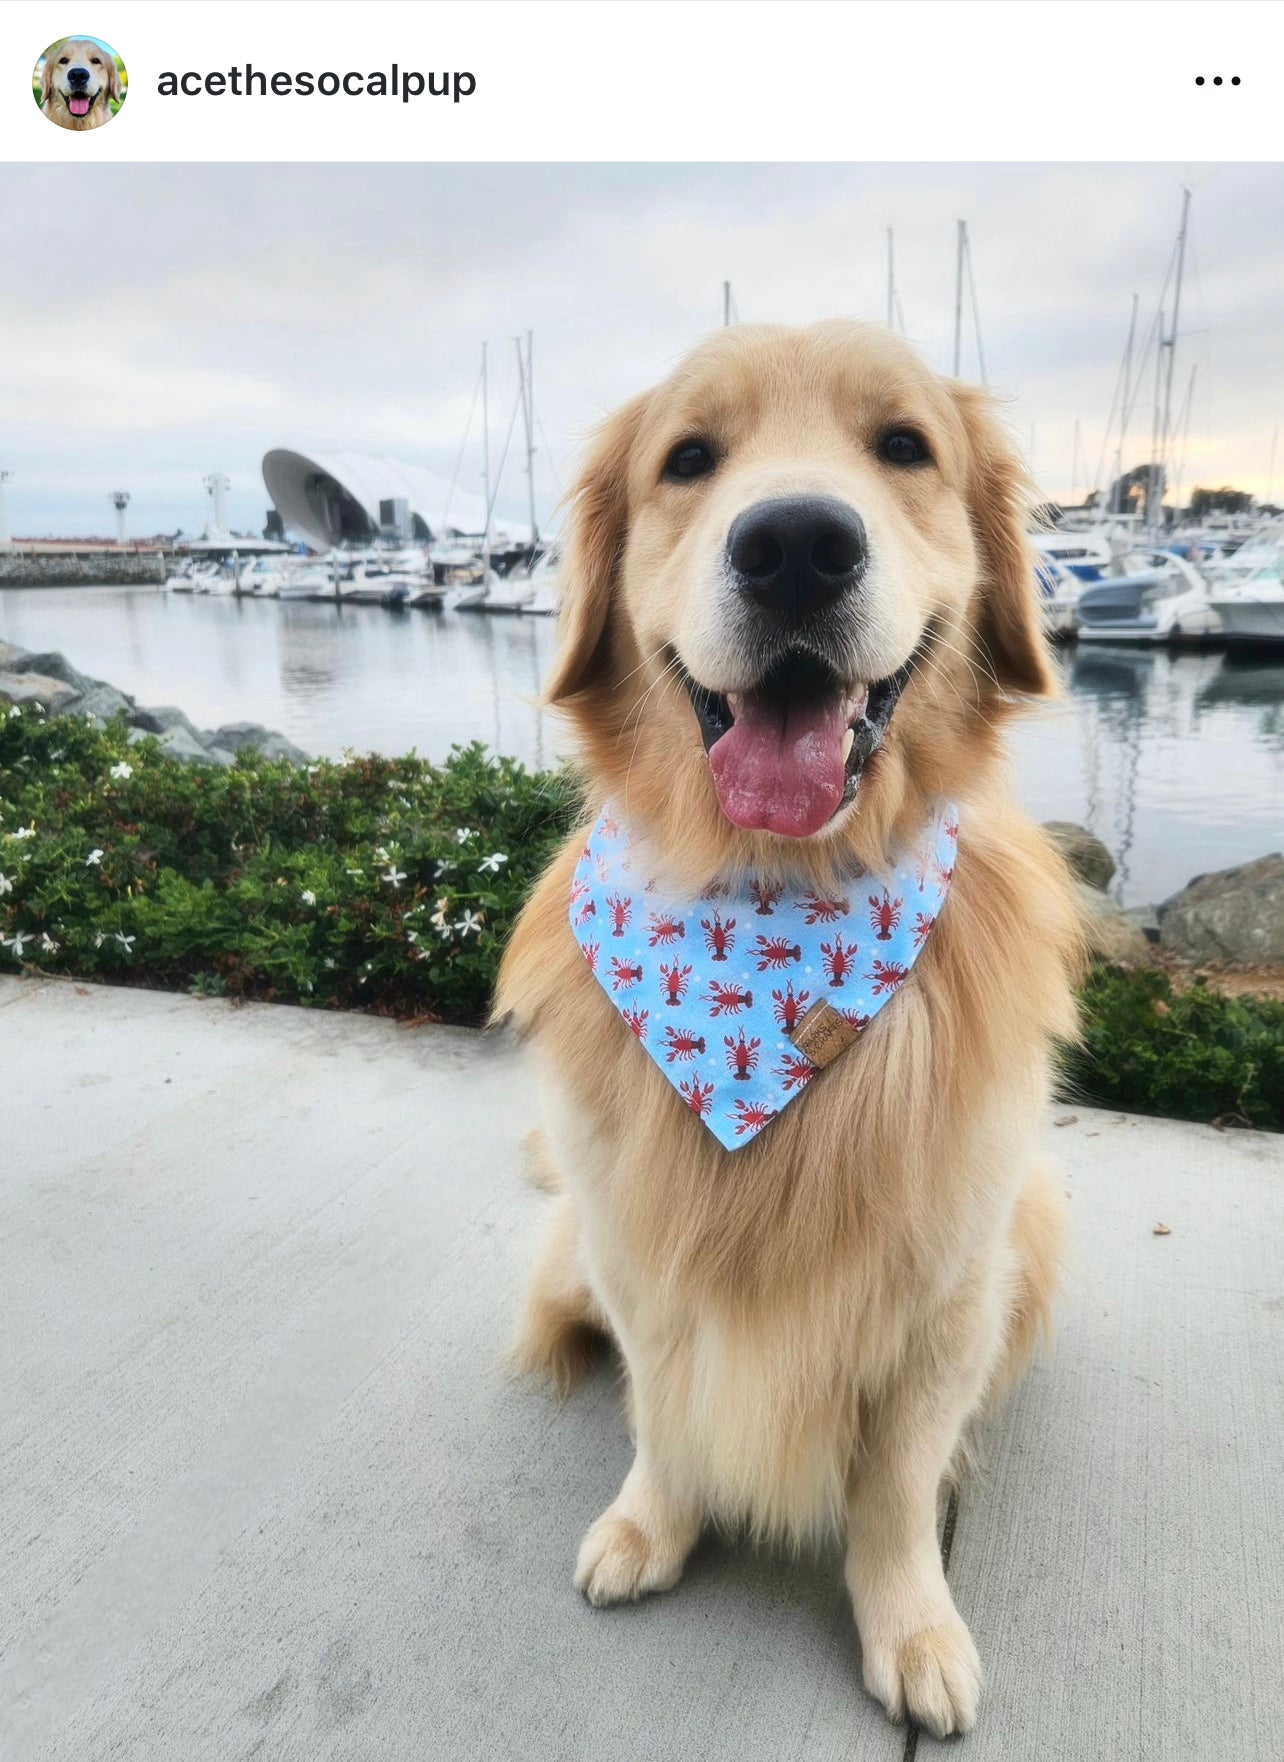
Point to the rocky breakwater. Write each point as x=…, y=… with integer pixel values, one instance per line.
x=1233, y=917
x=49, y=679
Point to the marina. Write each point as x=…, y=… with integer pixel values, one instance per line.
x=1174, y=759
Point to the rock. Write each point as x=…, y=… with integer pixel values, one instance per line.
x=166, y=716
x=1233, y=915
x=1086, y=855
x=101, y=701
x=238, y=736
x=221, y=755
x=179, y=742
x=1146, y=918
x=56, y=666
x=1110, y=931
x=52, y=694
x=145, y=721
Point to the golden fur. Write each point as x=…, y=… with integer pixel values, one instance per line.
x=807, y=1323
x=104, y=82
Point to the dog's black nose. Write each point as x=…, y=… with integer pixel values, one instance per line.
x=796, y=555
x=77, y=76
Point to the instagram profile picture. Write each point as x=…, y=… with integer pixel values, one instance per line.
x=79, y=83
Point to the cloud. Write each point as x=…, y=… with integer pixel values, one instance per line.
x=243, y=306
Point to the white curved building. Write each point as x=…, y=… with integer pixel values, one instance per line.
x=333, y=499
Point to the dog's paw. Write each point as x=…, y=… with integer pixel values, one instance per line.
x=619, y=1562
x=934, y=1676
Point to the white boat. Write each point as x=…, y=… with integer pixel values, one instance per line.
x=1165, y=605
x=1247, y=591
x=192, y=578
x=309, y=581
x=510, y=593
x=546, y=600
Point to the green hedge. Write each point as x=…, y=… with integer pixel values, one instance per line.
x=390, y=885
x=1191, y=1053
x=386, y=884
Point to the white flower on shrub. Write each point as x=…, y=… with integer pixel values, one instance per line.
x=14, y=711
x=442, y=868
x=463, y=834
x=18, y=941
x=99, y=939
x=491, y=862
x=24, y=832
x=126, y=942
x=308, y=897
x=394, y=876
x=6, y=885
x=439, y=921
x=122, y=770
x=94, y=859
x=48, y=944
x=470, y=924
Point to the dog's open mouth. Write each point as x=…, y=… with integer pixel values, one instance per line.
x=788, y=754
x=79, y=102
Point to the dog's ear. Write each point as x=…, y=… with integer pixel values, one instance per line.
x=598, y=529
x=47, y=72
x=113, y=77
x=1009, y=624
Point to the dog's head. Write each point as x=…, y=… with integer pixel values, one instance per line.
x=79, y=78
x=798, y=592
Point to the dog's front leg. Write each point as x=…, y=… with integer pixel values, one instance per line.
x=641, y=1541
x=918, y=1656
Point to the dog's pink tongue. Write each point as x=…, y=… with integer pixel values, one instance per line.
x=779, y=768
x=78, y=106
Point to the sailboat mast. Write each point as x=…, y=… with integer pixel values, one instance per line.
x=958, y=296
x=1125, y=408
x=1154, y=493
x=525, y=371
x=485, y=402
x=726, y=304
x=1165, y=433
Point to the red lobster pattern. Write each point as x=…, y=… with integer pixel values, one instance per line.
x=682, y=1045
x=664, y=928
x=727, y=1000
x=840, y=960
x=718, y=937
x=742, y=1056
x=885, y=914
x=776, y=951
x=676, y=979
x=678, y=964
x=621, y=911
x=788, y=1009
x=823, y=911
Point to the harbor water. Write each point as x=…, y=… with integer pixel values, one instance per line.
x=1175, y=760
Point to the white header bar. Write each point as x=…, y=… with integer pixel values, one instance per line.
x=673, y=80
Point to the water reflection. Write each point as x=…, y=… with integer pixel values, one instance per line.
x=1176, y=761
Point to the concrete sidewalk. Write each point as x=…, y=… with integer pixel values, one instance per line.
x=267, y=1492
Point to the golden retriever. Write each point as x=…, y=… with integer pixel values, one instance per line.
x=807, y=1324
x=77, y=82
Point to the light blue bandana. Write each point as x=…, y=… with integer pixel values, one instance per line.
x=723, y=991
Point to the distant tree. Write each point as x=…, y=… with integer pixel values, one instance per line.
x=1219, y=501
x=1128, y=493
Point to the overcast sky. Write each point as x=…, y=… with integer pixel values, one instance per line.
x=160, y=322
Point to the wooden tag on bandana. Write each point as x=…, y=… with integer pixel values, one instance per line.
x=823, y=1034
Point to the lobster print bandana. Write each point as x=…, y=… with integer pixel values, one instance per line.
x=717, y=988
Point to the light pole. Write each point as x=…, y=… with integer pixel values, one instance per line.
x=119, y=499
x=4, y=512
x=218, y=483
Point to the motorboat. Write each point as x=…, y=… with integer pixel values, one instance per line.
x=1167, y=603
x=1247, y=592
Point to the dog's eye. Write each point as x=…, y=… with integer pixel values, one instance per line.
x=96, y=62
x=62, y=61
x=901, y=446
x=689, y=459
